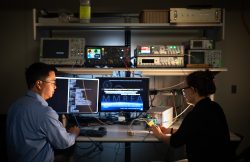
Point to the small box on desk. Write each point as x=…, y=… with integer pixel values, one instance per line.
x=154, y=16
x=162, y=115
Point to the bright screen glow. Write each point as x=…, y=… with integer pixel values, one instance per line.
x=123, y=94
x=75, y=95
x=145, y=50
x=94, y=53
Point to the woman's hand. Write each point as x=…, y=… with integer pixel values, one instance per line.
x=157, y=132
x=165, y=130
x=160, y=133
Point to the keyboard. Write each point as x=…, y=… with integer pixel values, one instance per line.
x=92, y=132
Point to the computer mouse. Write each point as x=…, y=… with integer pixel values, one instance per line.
x=102, y=129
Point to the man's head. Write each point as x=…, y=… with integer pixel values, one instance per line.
x=41, y=78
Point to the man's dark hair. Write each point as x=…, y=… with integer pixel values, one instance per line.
x=202, y=81
x=37, y=71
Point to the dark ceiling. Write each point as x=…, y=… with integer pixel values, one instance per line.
x=121, y=5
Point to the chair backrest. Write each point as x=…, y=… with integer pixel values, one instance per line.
x=3, y=147
x=244, y=156
x=234, y=144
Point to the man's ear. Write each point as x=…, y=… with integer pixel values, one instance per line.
x=38, y=84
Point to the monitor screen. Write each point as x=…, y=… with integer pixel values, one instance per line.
x=93, y=52
x=123, y=94
x=145, y=50
x=196, y=57
x=75, y=95
x=55, y=48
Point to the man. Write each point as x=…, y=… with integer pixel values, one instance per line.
x=33, y=128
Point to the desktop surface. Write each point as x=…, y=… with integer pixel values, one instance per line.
x=118, y=133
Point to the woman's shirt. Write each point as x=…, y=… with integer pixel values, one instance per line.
x=205, y=133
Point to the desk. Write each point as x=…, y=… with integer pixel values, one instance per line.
x=118, y=133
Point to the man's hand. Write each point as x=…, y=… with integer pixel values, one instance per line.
x=75, y=130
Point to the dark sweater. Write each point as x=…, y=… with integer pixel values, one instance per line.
x=205, y=133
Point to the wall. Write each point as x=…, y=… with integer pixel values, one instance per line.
x=15, y=55
x=236, y=55
x=18, y=50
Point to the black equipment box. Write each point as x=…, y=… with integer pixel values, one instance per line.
x=107, y=56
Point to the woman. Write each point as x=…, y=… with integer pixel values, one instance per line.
x=204, y=130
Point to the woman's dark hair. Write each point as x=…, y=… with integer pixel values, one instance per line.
x=37, y=71
x=202, y=81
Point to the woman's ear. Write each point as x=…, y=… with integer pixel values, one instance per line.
x=194, y=90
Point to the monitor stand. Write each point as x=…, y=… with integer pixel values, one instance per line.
x=124, y=118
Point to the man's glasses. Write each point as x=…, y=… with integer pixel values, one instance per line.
x=54, y=83
x=185, y=88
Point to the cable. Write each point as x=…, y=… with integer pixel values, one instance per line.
x=149, y=123
x=77, y=123
x=183, y=110
x=171, y=87
x=89, y=153
x=91, y=145
x=90, y=109
x=174, y=106
x=144, y=138
x=116, y=151
x=130, y=131
x=94, y=142
x=175, y=118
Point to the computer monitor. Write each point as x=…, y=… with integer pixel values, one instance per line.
x=75, y=95
x=123, y=94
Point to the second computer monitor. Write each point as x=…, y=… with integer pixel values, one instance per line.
x=75, y=95
x=123, y=94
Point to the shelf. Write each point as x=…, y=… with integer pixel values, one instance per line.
x=122, y=26
x=37, y=27
x=144, y=71
x=209, y=30
x=73, y=26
